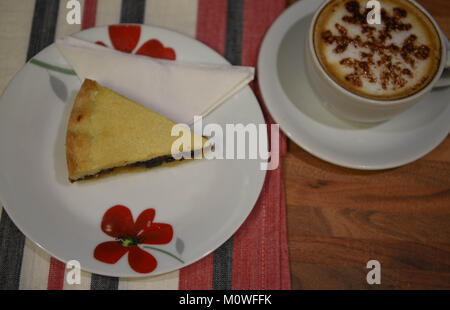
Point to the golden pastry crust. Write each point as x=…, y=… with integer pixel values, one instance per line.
x=77, y=142
x=107, y=131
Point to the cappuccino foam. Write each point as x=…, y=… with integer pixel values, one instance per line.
x=392, y=60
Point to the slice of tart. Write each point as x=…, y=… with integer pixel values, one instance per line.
x=108, y=131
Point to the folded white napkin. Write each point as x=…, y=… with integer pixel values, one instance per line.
x=176, y=90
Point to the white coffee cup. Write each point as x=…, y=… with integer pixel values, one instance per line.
x=353, y=107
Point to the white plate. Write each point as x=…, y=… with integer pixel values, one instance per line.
x=205, y=201
x=291, y=101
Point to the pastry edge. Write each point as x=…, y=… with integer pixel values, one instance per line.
x=77, y=143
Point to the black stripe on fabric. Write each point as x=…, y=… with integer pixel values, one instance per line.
x=43, y=27
x=223, y=266
x=223, y=256
x=233, y=43
x=99, y=282
x=12, y=241
x=132, y=12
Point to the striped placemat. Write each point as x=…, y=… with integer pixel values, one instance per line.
x=256, y=257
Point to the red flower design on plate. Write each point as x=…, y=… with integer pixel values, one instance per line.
x=125, y=38
x=118, y=223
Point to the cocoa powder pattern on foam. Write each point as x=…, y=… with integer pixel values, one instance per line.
x=392, y=73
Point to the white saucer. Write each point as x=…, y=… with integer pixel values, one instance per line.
x=291, y=101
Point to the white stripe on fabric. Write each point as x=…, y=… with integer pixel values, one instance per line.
x=178, y=15
x=15, y=25
x=108, y=12
x=35, y=267
x=168, y=281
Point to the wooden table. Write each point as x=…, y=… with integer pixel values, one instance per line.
x=338, y=219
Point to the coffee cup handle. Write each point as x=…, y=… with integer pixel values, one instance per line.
x=445, y=77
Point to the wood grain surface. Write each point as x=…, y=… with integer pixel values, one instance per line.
x=338, y=219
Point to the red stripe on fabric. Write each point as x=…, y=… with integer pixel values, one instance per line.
x=89, y=14
x=264, y=264
x=258, y=17
x=197, y=276
x=211, y=30
x=212, y=23
x=56, y=274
